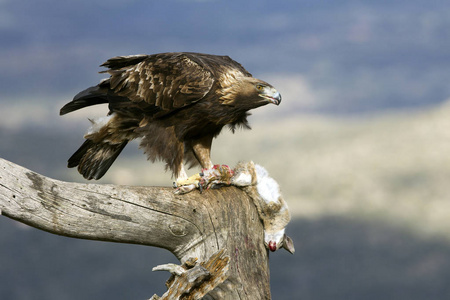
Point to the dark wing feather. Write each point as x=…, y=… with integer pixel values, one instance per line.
x=90, y=96
x=168, y=80
x=119, y=62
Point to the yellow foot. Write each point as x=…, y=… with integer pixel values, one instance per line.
x=184, y=189
x=194, y=179
x=218, y=175
x=183, y=186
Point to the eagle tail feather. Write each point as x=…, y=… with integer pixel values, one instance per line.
x=90, y=96
x=94, y=159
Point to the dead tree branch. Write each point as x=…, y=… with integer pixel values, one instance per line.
x=190, y=226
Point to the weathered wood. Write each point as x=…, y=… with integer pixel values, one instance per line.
x=194, y=280
x=192, y=225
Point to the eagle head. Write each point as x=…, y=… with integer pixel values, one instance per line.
x=249, y=93
x=268, y=93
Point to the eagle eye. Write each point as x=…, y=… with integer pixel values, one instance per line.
x=259, y=87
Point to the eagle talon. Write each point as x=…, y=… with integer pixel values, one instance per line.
x=216, y=184
x=184, y=189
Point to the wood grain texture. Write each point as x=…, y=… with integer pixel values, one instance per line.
x=196, y=279
x=190, y=226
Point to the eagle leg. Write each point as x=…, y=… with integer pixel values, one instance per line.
x=184, y=184
x=201, y=149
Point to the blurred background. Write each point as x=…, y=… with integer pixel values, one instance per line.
x=359, y=145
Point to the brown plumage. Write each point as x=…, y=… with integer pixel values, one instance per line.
x=176, y=102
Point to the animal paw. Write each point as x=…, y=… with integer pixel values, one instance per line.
x=217, y=176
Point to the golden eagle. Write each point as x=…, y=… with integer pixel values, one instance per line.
x=175, y=102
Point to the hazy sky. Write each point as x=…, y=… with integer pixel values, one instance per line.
x=324, y=56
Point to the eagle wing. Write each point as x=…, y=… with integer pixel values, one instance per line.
x=167, y=81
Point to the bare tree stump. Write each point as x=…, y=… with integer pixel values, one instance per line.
x=192, y=226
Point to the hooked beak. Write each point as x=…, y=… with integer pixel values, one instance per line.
x=272, y=95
